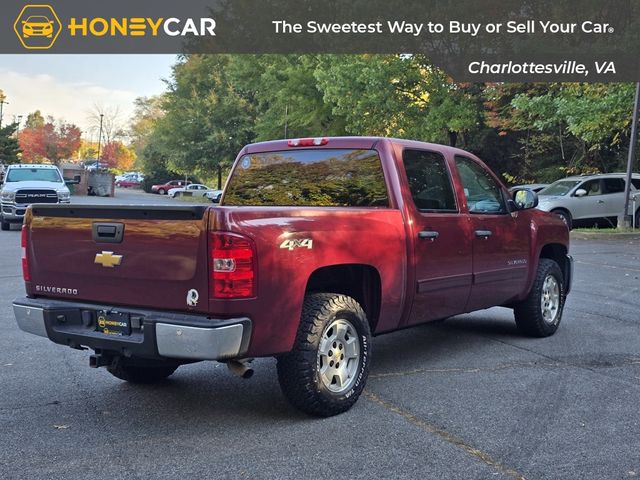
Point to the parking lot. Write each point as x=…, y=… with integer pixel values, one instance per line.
x=468, y=398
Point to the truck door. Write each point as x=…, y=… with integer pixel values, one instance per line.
x=500, y=241
x=441, y=238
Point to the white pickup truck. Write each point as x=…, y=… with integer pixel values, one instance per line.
x=27, y=184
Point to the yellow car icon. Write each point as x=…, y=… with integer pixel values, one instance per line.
x=37, y=26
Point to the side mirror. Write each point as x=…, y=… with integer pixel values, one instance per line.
x=525, y=199
x=581, y=192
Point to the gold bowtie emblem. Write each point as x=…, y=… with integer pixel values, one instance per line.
x=108, y=259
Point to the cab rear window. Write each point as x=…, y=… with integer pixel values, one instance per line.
x=311, y=177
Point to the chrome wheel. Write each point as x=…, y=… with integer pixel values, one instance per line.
x=339, y=356
x=550, y=299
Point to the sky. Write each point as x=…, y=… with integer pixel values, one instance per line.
x=69, y=86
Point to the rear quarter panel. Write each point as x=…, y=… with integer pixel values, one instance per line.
x=369, y=236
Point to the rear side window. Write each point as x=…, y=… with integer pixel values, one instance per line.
x=429, y=181
x=614, y=185
x=636, y=183
x=311, y=177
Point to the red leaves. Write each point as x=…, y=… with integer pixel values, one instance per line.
x=49, y=142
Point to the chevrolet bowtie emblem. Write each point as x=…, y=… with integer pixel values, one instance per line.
x=108, y=259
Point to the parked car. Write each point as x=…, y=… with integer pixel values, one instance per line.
x=27, y=184
x=214, y=195
x=163, y=188
x=585, y=199
x=534, y=187
x=128, y=180
x=319, y=244
x=193, y=190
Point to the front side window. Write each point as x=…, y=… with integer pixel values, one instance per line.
x=592, y=188
x=429, y=181
x=483, y=193
x=310, y=177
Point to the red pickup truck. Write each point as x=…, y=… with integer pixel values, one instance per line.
x=317, y=245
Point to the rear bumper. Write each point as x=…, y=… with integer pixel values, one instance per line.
x=154, y=334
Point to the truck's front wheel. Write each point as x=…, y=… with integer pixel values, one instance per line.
x=327, y=369
x=540, y=313
x=137, y=373
x=4, y=225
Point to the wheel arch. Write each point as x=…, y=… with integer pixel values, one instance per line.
x=359, y=281
x=558, y=253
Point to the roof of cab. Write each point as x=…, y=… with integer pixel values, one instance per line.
x=347, y=142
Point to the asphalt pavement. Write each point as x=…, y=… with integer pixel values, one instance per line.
x=468, y=398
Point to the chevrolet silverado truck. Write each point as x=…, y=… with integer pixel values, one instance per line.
x=317, y=245
x=27, y=184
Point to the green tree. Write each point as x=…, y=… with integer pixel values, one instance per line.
x=9, y=148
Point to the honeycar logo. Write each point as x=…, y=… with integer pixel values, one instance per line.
x=141, y=27
x=37, y=27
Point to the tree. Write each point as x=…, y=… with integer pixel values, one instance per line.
x=112, y=128
x=34, y=120
x=116, y=155
x=9, y=148
x=51, y=141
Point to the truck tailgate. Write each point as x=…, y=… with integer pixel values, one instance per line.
x=159, y=262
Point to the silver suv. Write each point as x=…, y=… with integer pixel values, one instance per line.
x=27, y=184
x=589, y=198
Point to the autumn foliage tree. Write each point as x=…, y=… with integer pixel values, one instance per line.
x=52, y=141
x=116, y=155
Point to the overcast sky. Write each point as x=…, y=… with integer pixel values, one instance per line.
x=67, y=86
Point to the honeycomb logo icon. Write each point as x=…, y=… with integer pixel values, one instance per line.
x=37, y=27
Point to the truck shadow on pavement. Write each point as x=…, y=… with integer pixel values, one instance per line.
x=206, y=392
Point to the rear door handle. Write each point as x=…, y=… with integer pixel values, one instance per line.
x=428, y=234
x=483, y=233
x=600, y=201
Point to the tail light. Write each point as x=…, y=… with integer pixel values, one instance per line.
x=307, y=142
x=25, y=260
x=233, y=266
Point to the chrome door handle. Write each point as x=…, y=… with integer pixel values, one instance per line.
x=483, y=233
x=600, y=201
x=428, y=234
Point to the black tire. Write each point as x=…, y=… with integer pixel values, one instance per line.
x=5, y=225
x=529, y=313
x=145, y=374
x=299, y=370
x=637, y=223
x=565, y=216
x=161, y=191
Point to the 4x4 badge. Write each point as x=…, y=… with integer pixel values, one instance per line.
x=108, y=259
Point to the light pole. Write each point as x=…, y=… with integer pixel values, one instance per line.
x=99, y=142
x=2, y=103
x=632, y=156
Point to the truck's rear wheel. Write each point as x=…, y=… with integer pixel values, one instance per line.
x=327, y=369
x=540, y=313
x=130, y=372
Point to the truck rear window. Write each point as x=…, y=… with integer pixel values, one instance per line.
x=311, y=177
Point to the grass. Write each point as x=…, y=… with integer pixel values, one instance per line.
x=606, y=231
x=193, y=199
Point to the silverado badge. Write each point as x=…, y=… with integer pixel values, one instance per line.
x=108, y=259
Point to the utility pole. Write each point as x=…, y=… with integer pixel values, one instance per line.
x=2, y=104
x=286, y=121
x=628, y=219
x=99, y=143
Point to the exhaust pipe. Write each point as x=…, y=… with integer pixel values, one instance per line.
x=240, y=368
